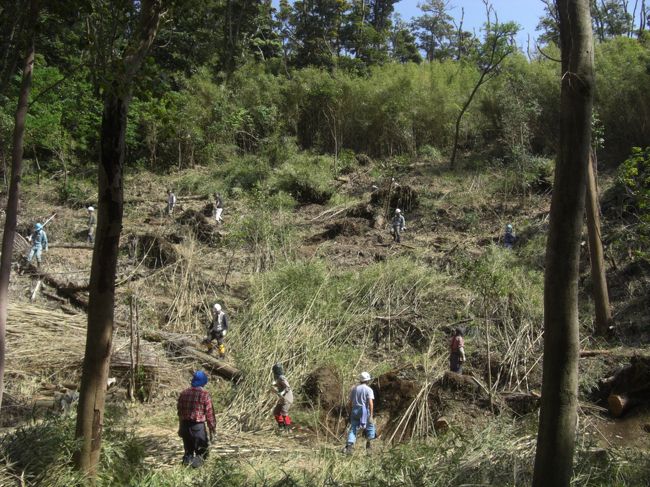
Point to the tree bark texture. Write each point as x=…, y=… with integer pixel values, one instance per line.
x=90, y=416
x=14, y=196
x=598, y=274
x=101, y=304
x=556, y=436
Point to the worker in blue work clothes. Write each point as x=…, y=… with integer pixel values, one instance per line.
x=361, y=407
x=38, y=239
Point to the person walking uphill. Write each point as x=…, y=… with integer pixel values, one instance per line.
x=38, y=239
x=457, y=351
x=218, y=208
x=398, y=225
x=217, y=330
x=282, y=388
x=509, y=237
x=361, y=406
x=91, y=224
x=194, y=411
x=171, y=202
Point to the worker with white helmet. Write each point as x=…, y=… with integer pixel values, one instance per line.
x=217, y=329
x=361, y=407
x=91, y=224
x=509, y=237
x=398, y=225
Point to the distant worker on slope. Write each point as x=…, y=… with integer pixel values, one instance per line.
x=171, y=202
x=218, y=208
x=509, y=237
x=282, y=388
x=194, y=409
x=398, y=225
x=92, y=221
x=457, y=351
x=217, y=329
x=38, y=239
x=361, y=406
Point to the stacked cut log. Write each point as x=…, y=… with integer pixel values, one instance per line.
x=627, y=387
x=187, y=347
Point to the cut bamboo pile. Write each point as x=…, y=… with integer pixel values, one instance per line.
x=42, y=341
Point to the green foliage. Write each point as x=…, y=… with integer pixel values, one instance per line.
x=622, y=101
x=43, y=453
x=308, y=179
x=634, y=176
x=78, y=193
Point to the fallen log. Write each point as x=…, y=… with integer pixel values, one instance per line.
x=73, y=293
x=618, y=404
x=71, y=246
x=627, y=387
x=185, y=346
x=441, y=425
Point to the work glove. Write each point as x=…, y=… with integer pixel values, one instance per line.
x=223, y=333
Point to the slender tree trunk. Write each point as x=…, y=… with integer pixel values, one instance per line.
x=452, y=162
x=101, y=304
x=598, y=274
x=556, y=437
x=14, y=196
x=90, y=415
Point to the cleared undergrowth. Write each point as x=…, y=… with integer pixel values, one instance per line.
x=348, y=302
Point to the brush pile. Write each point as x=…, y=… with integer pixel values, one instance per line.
x=48, y=345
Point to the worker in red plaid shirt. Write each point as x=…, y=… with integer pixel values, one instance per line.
x=194, y=410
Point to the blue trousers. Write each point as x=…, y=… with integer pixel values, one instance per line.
x=355, y=424
x=36, y=251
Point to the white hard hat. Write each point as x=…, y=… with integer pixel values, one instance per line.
x=364, y=377
x=398, y=210
x=217, y=307
x=90, y=208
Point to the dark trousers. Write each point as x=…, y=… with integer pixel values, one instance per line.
x=195, y=440
x=396, y=234
x=455, y=365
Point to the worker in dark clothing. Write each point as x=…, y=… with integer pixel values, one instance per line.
x=194, y=411
x=217, y=329
x=509, y=237
x=398, y=225
x=283, y=390
x=457, y=351
x=171, y=202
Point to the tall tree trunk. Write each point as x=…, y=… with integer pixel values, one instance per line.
x=90, y=415
x=92, y=395
x=14, y=194
x=556, y=436
x=598, y=275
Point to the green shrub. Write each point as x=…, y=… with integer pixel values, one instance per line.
x=78, y=193
x=308, y=179
x=245, y=173
x=634, y=176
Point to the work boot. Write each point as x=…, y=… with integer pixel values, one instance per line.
x=187, y=460
x=348, y=449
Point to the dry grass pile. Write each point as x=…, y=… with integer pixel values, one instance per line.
x=48, y=345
